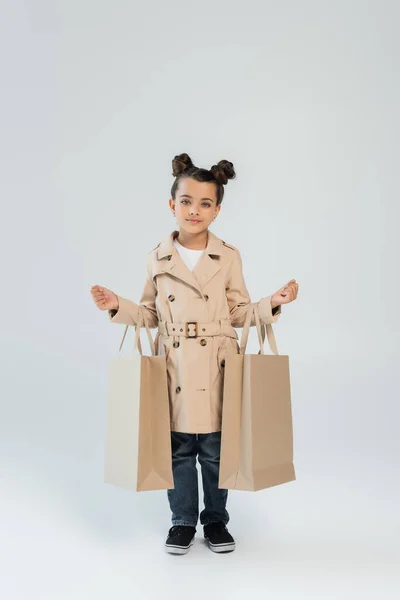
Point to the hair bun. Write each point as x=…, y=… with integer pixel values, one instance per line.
x=180, y=163
x=223, y=171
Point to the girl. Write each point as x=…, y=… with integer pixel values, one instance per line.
x=195, y=294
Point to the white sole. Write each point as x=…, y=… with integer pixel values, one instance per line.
x=222, y=547
x=178, y=549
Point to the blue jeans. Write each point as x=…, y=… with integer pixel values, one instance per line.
x=184, y=499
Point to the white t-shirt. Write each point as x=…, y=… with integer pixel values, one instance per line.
x=188, y=255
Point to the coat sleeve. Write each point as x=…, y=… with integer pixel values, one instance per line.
x=127, y=312
x=238, y=298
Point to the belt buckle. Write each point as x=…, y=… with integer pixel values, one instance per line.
x=187, y=329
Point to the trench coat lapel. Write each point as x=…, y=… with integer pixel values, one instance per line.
x=170, y=261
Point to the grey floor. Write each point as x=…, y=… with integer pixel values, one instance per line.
x=78, y=539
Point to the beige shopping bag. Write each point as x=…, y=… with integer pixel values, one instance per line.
x=138, y=452
x=257, y=433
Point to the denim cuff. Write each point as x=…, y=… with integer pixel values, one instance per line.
x=180, y=522
x=209, y=522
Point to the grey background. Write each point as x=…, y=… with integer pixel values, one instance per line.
x=96, y=99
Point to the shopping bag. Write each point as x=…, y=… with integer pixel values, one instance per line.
x=138, y=451
x=257, y=430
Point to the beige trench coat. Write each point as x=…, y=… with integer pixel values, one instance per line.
x=213, y=295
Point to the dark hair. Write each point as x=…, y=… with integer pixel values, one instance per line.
x=219, y=174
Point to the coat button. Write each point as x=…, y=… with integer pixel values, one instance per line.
x=176, y=344
x=203, y=342
x=178, y=389
x=171, y=298
x=206, y=297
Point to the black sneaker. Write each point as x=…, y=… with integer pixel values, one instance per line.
x=180, y=539
x=218, y=537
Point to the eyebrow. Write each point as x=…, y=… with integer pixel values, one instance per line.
x=191, y=197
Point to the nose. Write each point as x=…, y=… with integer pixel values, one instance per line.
x=193, y=210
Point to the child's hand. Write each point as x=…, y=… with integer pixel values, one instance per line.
x=104, y=299
x=286, y=294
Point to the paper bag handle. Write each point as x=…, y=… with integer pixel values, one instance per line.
x=261, y=329
x=267, y=329
x=136, y=343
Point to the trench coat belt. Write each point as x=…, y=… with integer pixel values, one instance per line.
x=193, y=329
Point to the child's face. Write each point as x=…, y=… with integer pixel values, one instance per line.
x=195, y=205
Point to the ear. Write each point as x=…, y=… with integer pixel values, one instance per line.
x=171, y=203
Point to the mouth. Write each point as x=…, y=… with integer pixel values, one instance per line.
x=194, y=221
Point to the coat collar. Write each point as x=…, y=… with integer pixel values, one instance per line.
x=204, y=270
x=166, y=248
